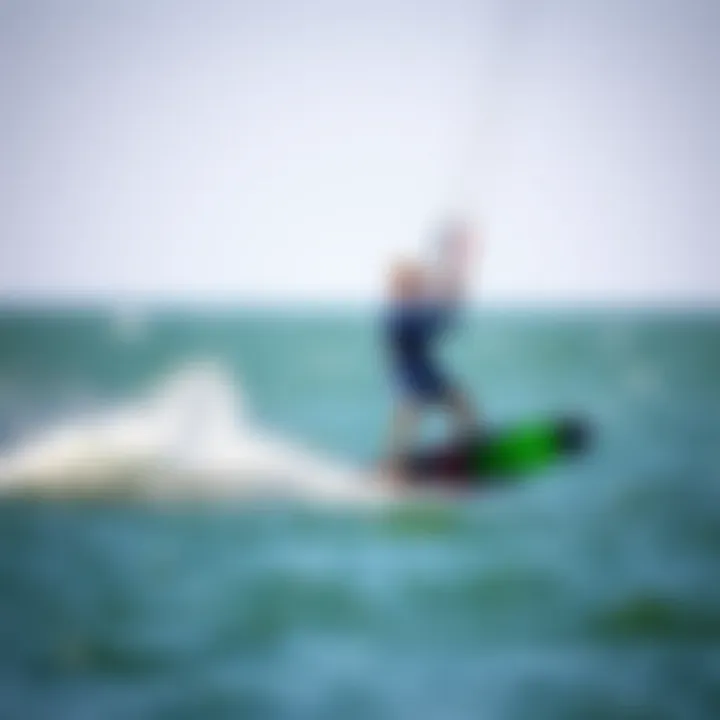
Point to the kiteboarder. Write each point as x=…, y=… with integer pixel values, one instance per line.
x=423, y=304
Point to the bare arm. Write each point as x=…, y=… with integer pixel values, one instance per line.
x=454, y=259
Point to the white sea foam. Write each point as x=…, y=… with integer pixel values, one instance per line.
x=192, y=435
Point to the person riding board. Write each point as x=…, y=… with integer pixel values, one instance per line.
x=423, y=305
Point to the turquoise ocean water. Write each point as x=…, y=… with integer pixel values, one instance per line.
x=592, y=592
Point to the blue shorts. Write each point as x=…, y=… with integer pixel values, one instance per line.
x=411, y=331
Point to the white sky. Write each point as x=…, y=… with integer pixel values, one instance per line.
x=279, y=150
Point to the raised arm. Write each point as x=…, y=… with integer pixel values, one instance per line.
x=453, y=262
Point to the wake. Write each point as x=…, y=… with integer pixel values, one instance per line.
x=192, y=436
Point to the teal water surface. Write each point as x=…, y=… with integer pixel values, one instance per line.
x=593, y=592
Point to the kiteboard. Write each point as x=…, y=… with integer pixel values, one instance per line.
x=510, y=453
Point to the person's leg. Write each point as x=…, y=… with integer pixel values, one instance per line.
x=404, y=425
x=464, y=416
